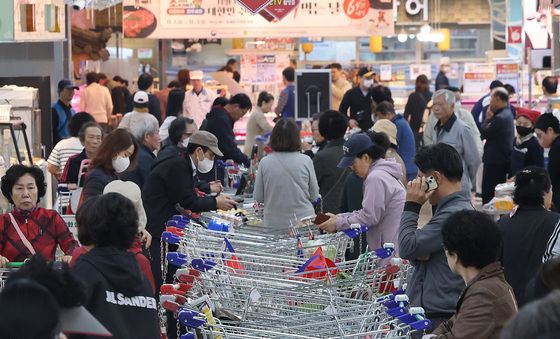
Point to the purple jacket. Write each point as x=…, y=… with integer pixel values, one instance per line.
x=382, y=205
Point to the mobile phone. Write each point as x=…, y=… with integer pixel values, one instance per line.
x=431, y=183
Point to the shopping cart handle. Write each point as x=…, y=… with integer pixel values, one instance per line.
x=176, y=223
x=175, y=230
x=177, y=259
x=188, y=336
x=420, y=325
x=170, y=306
x=15, y=264
x=181, y=218
x=170, y=238
x=202, y=265
x=397, y=312
x=384, y=252
x=191, y=319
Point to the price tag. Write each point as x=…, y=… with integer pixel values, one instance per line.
x=356, y=9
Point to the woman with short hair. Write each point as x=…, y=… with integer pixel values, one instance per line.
x=286, y=181
x=257, y=124
x=471, y=240
x=90, y=135
x=530, y=233
x=116, y=154
x=29, y=229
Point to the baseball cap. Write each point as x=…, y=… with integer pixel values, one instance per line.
x=141, y=97
x=131, y=191
x=197, y=75
x=365, y=72
x=388, y=127
x=352, y=147
x=527, y=113
x=66, y=84
x=78, y=320
x=207, y=139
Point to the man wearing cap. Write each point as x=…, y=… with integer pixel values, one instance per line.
x=358, y=100
x=62, y=111
x=526, y=148
x=198, y=101
x=145, y=84
x=442, y=81
x=145, y=129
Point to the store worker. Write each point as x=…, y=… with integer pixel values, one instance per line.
x=471, y=240
x=117, y=153
x=220, y=123
x=96, y=100
x=164, y=190
x=454, y=132
x=90, y=135
x=29, y=229
x=62, y=110
x=258, y=124
x=442, y=81
x=339, y=85
x=358, y=100
x=198, y=101
x=144, y=127
x=286, y=173
x=68, y=147
x=384, y=194
x=498, y=131
x=526, y=148
x=530, y=233
x=108, y=224
x=145, y=84
x=479, y=109
x=433, y=285
x=547, y=129
x=286, y=107
x=405, y=136
x=330, y=177
x=319, y=141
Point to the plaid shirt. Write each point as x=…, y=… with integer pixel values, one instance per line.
x=43, y=228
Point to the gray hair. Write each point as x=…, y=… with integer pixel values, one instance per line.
x=449, y=96
x=141, y=127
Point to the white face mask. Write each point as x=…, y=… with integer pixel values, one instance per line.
x=368, y=83
x=120, y=164
x=185, y=142
x=205, y=165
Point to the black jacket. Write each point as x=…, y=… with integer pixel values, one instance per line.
x=95, y=182
x=554, y=172
x=153, y=106
x=415, y=106
x=329, y=177
x=528, y=153
x=528, y=237
x=360, y=107
x=171, y=182
x=118, y=294
x=142, y=170
x=499, y=136
x=219, y=123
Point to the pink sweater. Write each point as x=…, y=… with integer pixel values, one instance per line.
x=96, y=100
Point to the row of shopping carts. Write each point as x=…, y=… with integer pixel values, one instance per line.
x=249, y=284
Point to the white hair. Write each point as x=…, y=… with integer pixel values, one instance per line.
x=449, y=96
x=140, y=127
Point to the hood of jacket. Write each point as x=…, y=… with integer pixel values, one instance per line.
x=118, y=267
x=389, y=166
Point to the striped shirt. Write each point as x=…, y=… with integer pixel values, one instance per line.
x=63, y=150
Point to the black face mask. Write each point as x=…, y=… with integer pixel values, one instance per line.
x=523, y=131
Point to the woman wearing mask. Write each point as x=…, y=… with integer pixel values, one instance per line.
x=289, y=174
x=526, y=148
x=258, y=124
x=384, y=194
x=116, y=154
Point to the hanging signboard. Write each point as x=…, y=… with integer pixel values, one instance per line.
x=477, y=77
x=508, y=74
x=419, y=69
x=385, y=72
x=174, y=19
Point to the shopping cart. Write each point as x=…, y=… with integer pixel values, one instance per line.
x=9, y=269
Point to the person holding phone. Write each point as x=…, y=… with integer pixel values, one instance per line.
x=384, y=194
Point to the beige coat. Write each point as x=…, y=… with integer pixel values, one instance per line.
x=392, y=153
x=256, y=126
x=338, y=89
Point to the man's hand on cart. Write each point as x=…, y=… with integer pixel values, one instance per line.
x=146, y=238
x=216, y=186
x=225, y=203
x=4, y=262
x=416, y=191
x=329, y=225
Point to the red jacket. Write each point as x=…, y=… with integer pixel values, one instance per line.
x=43, y=228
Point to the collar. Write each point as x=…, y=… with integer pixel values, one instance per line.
x=192, y=164
x=519, y=141
x=447, y=126
x=64, y=105
x=397, y=117
x=22, y=215
x=449, y=198
x=203, y=92
x=491, y=270
x=145, y=148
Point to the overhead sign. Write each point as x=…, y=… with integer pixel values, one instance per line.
x=173, y=19
x=477, y=77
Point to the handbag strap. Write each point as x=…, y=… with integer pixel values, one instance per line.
x=21, y=236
